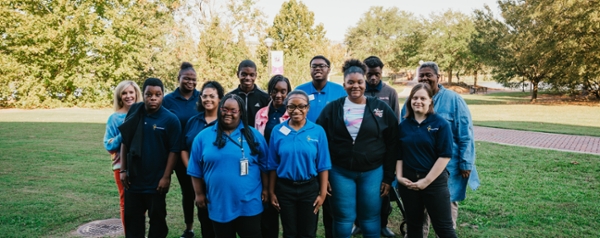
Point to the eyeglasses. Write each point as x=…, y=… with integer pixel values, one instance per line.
x=292, y=107
x=207, y=96
x=320, y=66
x=226, y=110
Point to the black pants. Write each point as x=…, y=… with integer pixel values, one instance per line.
x=136, y=204
x=296, y=203
x=206, y=225
x=187, y=192
x=327, y=219
x=245, y=227
x=436, y=198
x=269, y=224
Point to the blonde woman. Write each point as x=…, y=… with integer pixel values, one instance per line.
x=126, y=94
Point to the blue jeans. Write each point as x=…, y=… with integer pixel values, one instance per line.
x=355, y=195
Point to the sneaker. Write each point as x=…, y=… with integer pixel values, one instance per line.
x=356, y=230
x=187, y=234
x=387, y=232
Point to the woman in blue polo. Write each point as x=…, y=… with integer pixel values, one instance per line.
x=228, y=169
x=425, y=150
x=298, y=168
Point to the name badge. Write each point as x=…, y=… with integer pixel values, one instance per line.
x=284, y=130
x=244, y=167
x=311, y=97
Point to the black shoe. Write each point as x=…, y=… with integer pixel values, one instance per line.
x=187, y=234
x=356, y=230
x=387, y=232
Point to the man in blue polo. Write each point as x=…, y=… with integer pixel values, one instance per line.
x=320, y=92
x=150, y=145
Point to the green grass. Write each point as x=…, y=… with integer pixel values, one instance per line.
x=56, y=176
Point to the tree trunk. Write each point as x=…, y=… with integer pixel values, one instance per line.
x=534, y=92
x=457, y=77
x=475, y=79
x=450, y=75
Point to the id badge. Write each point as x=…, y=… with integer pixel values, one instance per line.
x=244, y=167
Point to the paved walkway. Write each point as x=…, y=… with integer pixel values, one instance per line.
x=581, y=144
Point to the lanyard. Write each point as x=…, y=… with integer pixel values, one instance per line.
x=241, y=144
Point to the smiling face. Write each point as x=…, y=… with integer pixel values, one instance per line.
x=210, y=99
x=153, y=96
x=427, y=75
x=279, y=93
x=297, y=107
x=247, y=75
x=230, y=114
x=187, y=81
x=420, y=102
x=128, y=96
x=319, y=70
x=354, y=84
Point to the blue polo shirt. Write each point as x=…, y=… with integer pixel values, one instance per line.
x=274, y=119
x=318, y=100
x=422, y=144
x=183, y=108
x=230, y=194
x=196, y=124
x=161, y=136
x=298, y=155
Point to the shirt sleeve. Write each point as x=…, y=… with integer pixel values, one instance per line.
x=263, y=151
x=273, y=155
x=464, y=138
x=394, y=103
x=112, y=135
x=323, y=159
x=175, y=135
x=196, y=164
x=443, y=140
x=391, y=134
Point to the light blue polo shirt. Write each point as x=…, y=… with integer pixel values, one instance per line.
x=298, y=155
x=318, y=100
x=229, y=193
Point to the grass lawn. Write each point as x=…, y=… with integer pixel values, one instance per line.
x=56, y=176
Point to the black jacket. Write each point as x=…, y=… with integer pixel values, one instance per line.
x=132, y=132
x=254, y=100
x=376, y=142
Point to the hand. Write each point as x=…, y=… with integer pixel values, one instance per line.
x=385, y=189
x=405, y=182
x=275, y=202
x=465, y=173
x=328, y=189
x=264, y=195
x=163, y=185
x=318, y=203
x=201, y=201
x=421, y=184
x=125, y=180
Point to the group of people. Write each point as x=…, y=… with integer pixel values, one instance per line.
x=249, y=158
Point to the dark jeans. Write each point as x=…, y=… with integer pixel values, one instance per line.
x=136, y=204
x=269, y=223
x=435, y=197
x=206, y=225
x=386, y=209
x=296, y=203
x=245, y=227
x=187, y=192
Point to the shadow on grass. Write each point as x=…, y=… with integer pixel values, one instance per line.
x=542, y=127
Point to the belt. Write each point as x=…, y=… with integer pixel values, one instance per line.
x=292, y=182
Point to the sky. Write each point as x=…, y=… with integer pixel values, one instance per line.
x=337, y=15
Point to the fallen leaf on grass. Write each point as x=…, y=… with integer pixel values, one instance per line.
x=574, y=162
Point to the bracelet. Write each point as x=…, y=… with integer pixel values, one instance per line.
x=123, y=171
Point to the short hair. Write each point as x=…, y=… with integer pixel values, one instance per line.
x=373, y=62
x=210, y=84
x=153, y=82
x=246, y=64
x=118, y=102
x=296, y=92
x=353, y=66
x=409, y=111
x=320, y=57
x=432, y=65
x=276, y=79
x=185, y=66
x=221, y=140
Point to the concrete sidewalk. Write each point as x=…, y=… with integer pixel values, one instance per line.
x=570, y=143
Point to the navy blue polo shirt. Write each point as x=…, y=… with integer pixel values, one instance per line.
x=421, y=144
x=183, y=108
x=194, y=126
x=298, y=155
x=274, y=119
x=161, y=136
x=318, y=100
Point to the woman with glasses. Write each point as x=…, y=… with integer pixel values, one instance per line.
x=298, y=168
x=362, y=134
x=228, y=169
x=208, y=106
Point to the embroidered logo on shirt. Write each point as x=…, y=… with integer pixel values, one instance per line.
x=378, y=112
x=384, y=98
x=311, y=139
x=257, y=105
x=154, y=127
x=429, y=129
